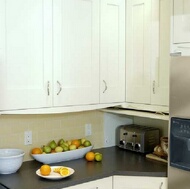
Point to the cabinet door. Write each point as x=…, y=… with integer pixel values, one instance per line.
x=112, y=55
x=160, y=53
x=25, y=53
x=138, y=51
x=76, y=52
x=181, y=23
x=105, y=183
x=134, y=182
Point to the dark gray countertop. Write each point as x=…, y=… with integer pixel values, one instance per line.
x=115, y=162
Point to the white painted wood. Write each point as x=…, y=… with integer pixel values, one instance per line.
x=105, y=183
x=138, y=48
x=147, y=52
x=141, y=114
x=25, y=53
x=160, y=53
x=181, y=11
x=61, y=109
x=134, y=182
x=180, y=27
x=76, y=52
x=112, y=51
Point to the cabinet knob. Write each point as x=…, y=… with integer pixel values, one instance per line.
x=60, y=87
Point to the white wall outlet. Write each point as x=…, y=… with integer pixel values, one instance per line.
x=88, y=129
x=27, y=137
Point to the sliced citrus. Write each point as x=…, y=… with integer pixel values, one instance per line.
x=64, y=171
x=57, y=169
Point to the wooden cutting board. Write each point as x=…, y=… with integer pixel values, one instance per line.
x=155, y=157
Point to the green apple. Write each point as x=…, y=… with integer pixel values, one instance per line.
x=65, y=147
x=58, y=149
x=72, y=147
x=68, y=142
x=81, y=146
x=82, y=140
x=98, y=157
x=61, y=141
x=46, y=149
x=52, y=145
x=87, y=143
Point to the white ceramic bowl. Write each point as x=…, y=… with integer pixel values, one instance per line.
x=61, y=156
x=10, y=160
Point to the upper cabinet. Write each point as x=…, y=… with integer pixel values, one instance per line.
x=147, y=54
x=112, y=51
x=61, y=53
x=138, y=50
x=76, y=52
x=180, y=35
x=25, y=54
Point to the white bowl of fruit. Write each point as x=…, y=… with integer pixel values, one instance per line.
x=62, y=151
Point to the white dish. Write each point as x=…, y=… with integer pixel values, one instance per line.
x=10, y=160
x=55, y=176
x=61, y=156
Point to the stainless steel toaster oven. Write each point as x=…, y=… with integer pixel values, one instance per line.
x=137, y=138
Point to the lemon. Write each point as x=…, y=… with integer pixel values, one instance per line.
x=64, y=171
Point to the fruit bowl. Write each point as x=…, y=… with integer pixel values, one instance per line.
x=61, y=156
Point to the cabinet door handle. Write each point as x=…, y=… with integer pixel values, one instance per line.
x=153, y=87
x=60, y=87
x=161, y=184
x=105, y=89
x=48, y=83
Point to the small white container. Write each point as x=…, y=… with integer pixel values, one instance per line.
x=10, y=160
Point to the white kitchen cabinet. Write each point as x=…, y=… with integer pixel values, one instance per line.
x=137, y=182
x=147, y=54
x=112, y=51
x=180, y=33
x=25, y=54
x=76, y=52
x=105, y=183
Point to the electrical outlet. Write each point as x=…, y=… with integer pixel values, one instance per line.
x=27, y=137
x=88, y=129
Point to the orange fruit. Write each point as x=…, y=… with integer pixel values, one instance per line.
x=76, y=142
x=36, y=151
x=90, y=156
x=64, y=171
x=45, y=170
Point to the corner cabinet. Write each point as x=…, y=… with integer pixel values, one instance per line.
x=147, y=54
x=131, y=182
x=180, y=33
x=112, y=51
x=25, y=54
x=105, y=183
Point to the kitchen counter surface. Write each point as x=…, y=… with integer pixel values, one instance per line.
x=115, y=161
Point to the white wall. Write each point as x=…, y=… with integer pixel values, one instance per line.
x=111, y=122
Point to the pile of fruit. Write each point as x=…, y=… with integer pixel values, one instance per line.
x=45, y=170
x=62, y=146
x=92, y=156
